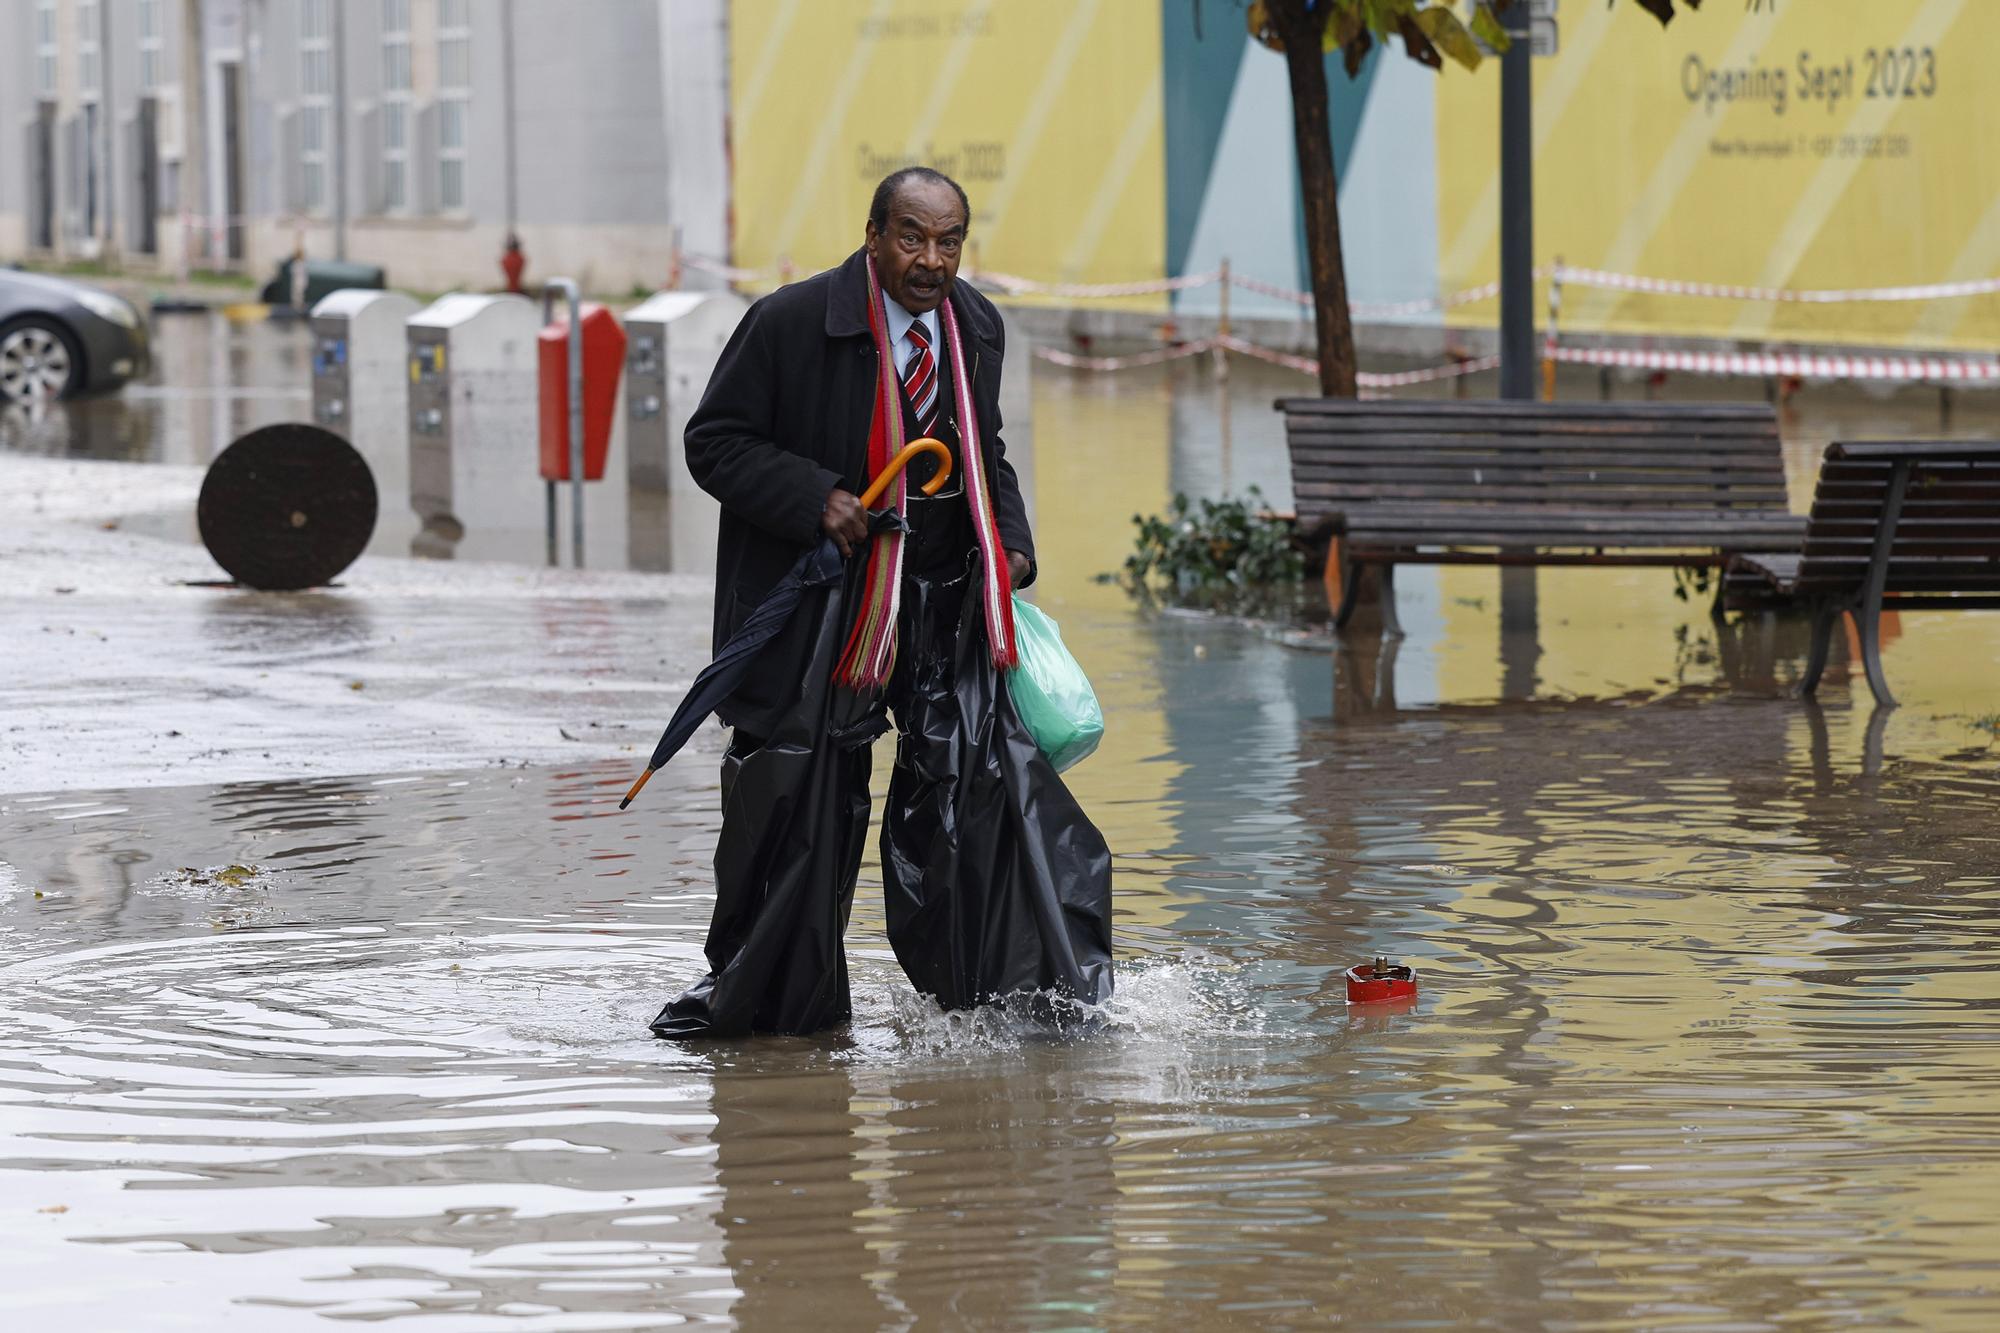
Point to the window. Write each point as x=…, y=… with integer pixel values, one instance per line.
x=45, y=47
x=90, y=89
x=315, y=101
x=395, y=105
x=454, y=93
x=149, y=45
x=89, y=56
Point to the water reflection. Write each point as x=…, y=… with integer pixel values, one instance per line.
x=1703, y=1016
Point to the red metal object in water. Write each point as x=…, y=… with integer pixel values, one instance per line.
x=1377, y=982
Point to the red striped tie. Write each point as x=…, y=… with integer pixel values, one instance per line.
x=920, y=379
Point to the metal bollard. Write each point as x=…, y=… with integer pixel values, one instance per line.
x=569, y=290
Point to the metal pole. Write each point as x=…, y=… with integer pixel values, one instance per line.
x=1520, y=639
x=507, y=111
x=571, y=295
x=1222, y=323
x=339, y=131
x=1517, y=214
x=1549, y=335
x=576, y=427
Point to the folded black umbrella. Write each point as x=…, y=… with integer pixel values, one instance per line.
x=822, y=566
x=795, y=815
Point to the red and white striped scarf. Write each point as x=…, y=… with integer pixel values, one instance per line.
x=869, y=658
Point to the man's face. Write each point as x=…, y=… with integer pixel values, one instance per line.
x=916, y=253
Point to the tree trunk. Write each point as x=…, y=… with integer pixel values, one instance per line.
x=1300, y=30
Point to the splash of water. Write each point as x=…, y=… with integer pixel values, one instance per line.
x=1157, y=1001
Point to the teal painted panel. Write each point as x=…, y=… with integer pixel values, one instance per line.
x=1198, y=80
x=1198, y=77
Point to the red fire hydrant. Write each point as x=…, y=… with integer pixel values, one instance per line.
x=513, y=263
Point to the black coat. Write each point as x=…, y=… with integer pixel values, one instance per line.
x=785, y=420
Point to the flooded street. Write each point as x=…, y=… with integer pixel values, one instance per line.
x=1707, y=1033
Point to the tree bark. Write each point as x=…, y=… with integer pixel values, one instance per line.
x=1300, y=29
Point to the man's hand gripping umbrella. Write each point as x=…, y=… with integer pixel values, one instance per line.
x=720, y=678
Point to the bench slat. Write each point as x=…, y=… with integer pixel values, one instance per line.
x=1599, y=460
x=1503, y=409
x=1311, y=437
x=1681, y=495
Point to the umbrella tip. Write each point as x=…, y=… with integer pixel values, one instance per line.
x=644, y=778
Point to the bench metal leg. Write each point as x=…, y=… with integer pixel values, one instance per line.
x=1871, y=740
x=1821, y=747
x=1350, y=592
x=1868, y=619
x=1824, y=619
x=1868, y=616
x=1390, y=624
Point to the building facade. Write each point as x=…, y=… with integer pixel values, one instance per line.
x=179, y=135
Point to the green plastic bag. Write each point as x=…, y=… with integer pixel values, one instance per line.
x=1051, y=693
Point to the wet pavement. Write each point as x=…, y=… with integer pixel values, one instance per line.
x=1706, y=1035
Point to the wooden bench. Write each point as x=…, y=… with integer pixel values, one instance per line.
x=1524, y=483
x=1908, y=526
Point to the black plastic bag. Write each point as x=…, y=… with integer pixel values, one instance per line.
x=997, y=882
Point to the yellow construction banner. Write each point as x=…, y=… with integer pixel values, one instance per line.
x=1047, y=111
x=1818, y=144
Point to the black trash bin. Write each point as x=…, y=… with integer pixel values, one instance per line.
x=322, y=276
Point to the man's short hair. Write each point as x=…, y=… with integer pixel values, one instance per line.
x=885, y=193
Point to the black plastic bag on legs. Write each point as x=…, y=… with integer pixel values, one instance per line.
x=996, y=881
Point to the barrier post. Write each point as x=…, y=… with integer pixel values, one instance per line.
x=575, y=300
x=1549, y=336
x=1221, y=324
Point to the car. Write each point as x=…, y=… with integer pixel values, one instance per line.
x=60, y=337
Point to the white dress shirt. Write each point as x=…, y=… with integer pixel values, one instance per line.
x=900, y=346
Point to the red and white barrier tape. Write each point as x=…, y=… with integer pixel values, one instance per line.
x=1305, y=365
x=1075, y=362
x=1015, y=285
x=1805, y=365
x=727, y=272
x=1397, y=379
x=1630, y=282
x=1376, y=309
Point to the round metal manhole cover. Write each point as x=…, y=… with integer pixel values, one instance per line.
x=287, y=507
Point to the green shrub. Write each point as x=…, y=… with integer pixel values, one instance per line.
x=1229, y=554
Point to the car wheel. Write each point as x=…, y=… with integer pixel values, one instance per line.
x=38, y=359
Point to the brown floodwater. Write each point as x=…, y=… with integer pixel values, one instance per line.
x=1708, y=1032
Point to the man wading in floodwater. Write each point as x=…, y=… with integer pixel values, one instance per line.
x=996, y=884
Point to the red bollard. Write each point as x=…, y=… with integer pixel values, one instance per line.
x=603, y=363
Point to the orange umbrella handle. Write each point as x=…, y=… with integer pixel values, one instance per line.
x=927, y=445
x=644, y=778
